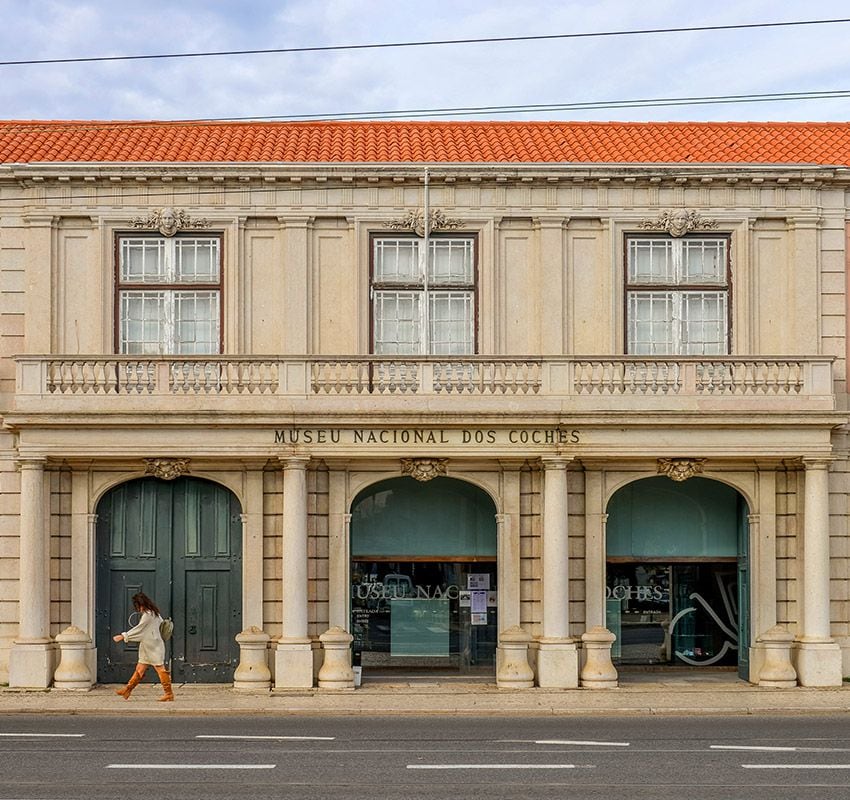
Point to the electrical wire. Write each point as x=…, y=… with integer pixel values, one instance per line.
x=14, y=127
x=428, y=43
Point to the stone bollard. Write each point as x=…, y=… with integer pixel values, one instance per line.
x=598, y=671
x=777, y=670
x=514, y=671
x=73, y=671
x=253, y=671
x=336, y=671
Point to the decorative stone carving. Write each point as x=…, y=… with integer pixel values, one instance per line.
x=598, y=671
x=679, y=222
x=166, y=468
x=336, y=671
x=680, y=469
x=777, y=670
x=253, y=671
x=169, y=221
x=73, y=672
x=415, y=221
x=513, y=671
x=423, y=469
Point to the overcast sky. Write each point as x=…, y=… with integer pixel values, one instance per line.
x=797, y=59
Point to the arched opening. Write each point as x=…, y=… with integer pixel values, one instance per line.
x=423, y=577
x=180, y=542
x=677, y=588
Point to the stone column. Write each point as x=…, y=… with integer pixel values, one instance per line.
x=83, y=529
x=294, y=655
x=557, y=657
x=31, y=656
x=818, y=656
x=253, y=670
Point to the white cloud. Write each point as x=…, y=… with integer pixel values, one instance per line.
x=608, y=68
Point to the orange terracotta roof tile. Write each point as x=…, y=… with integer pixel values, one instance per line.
x=38, y=142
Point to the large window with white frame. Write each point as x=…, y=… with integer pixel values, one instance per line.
x=423, y=306
x=168, y=295
x=677, y=295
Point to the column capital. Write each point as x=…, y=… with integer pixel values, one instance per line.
x=294, y=462
x=556, y=462
x=817, y=462
x=31, y=462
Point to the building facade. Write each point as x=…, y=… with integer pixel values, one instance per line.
x=451, y=396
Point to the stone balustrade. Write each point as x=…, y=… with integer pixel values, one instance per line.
x=799, y=383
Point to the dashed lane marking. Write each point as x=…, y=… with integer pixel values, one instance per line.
x=286, y=738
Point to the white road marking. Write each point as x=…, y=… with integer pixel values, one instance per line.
x=51, y=735
x=796, y=766
x=287, y=738
x=752, y=747
x=590, y=744
x=191, y=766
x=491, y=766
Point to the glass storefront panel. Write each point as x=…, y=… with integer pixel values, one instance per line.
x=673, y=613
x=424, y=614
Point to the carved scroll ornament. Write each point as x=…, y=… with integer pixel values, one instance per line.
x=680, y=469
x=423, y=469
x=169, y=221
x=415, y=221
x=166, y=468
x=679, y=222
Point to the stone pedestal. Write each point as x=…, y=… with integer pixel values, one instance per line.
x=598, y=671
x=336, y=671
x=31, y=664
x=514, y=671
x=293, y=664
x=557, y=663
x=776, y=668
x=73, y=670
x=818, y=663
x=253, y=671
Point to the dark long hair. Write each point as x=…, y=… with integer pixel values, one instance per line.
x=141, y=602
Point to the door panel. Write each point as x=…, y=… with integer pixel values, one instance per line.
x=180, y=543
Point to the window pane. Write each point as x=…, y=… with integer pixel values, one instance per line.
x=651, y=323
x=196, y=323
x=703, y=261
x=651, y=261
x=196, y=260
x=397, y=320
x=397, y=261
x=451, y=261
x=143, y=325
x=143, y=261
x=452, y=323
x=704, y=323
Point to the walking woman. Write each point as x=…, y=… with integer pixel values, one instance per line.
x=151, y=647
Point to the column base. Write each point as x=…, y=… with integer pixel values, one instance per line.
x=31, y=664
x=557, y=664
x=253, y=672
x=293, y=665
x=818, y=663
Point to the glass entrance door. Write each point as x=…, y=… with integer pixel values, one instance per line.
x=423, y=577
x=423, y=614
x=674, y=614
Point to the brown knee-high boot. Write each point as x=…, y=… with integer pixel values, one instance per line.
x=134, y=681
x=165, y=680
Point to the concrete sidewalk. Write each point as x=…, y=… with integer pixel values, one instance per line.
x=649, y=694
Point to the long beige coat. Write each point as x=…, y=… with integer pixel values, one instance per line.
x=146, y=633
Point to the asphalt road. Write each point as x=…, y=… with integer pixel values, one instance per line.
x=746, y=758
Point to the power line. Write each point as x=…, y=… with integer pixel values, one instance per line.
x=527, y=108
x=428, y=43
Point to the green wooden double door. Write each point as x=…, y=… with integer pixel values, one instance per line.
x=179, y=542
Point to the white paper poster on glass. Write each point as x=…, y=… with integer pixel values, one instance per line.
x=478, y=618
x=478, y=581
x=478, y=604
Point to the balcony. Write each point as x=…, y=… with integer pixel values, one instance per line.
x=464, y=385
